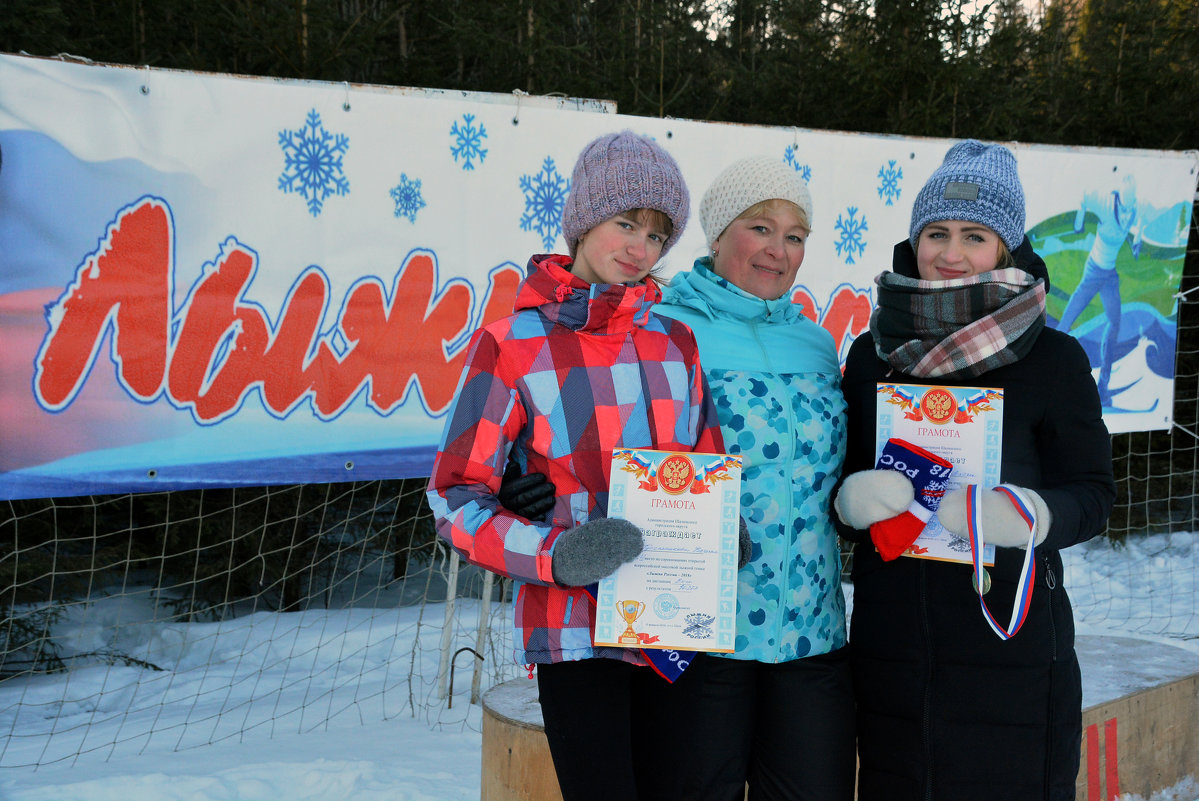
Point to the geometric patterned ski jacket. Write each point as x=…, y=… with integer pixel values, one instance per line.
x=576, y=371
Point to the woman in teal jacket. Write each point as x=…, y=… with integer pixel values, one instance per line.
x=779, y=711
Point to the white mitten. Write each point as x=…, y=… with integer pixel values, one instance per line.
x=868, y=496
x=1003, y=525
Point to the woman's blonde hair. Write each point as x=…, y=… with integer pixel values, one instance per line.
x=1006, y=259
x=1003, y=258
x=774, y=204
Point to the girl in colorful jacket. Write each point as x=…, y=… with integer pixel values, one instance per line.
x=581, y=367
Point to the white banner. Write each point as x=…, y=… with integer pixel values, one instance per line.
x=217, y=280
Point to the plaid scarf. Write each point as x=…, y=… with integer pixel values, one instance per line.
x=960, y=328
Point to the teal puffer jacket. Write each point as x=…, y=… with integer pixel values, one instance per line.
x=776, y=381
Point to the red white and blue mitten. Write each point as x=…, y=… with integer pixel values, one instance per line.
x=929, y=476
x=1002, y=520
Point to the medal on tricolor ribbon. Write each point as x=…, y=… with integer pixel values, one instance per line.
x=986, y=582
x=1022, y=602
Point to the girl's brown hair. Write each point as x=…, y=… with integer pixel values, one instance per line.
x=652, y=218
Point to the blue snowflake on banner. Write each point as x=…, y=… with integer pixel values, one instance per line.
x=468, y=141
x=312, y=163
x=407, y=196
x=545, y=195
x=889, y=177
x=851, y=229
x=789, y=156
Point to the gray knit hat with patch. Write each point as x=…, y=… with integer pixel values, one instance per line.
x=978, y=183
x=619, y=172
x=746, y=183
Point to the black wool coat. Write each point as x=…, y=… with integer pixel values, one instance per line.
x=946, y=710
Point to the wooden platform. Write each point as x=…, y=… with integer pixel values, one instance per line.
x=516, y=757
x=1138, y=736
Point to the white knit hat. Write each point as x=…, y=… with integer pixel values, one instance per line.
x=745, y=183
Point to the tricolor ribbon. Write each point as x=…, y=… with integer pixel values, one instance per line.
x=1023, y=599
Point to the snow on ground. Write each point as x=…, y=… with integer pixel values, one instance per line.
x=1136, y=607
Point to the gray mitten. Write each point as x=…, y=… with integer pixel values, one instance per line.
x=1002, y=524
x=592, y=551
x=869, y=496
x=745, y=546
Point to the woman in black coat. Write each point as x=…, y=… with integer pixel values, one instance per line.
x=946, y=708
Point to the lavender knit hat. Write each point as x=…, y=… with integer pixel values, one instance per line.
x=975, y=182
x=746, y=183
x=618, y=172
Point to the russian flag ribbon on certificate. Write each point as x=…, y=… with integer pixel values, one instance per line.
x=667, y=663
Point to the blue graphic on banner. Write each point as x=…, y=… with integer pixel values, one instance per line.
x=889, y=177
x=545, y=195
x=407, y=197
x=851, y=229
x=1108, y=257
x=312, y=158
x=803, y=169
x=468, y=141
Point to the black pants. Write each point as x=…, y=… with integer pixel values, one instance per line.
x=606, y=731
x=619, y=731
x=787, y=728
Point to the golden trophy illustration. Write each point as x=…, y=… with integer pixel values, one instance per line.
x=630, y=611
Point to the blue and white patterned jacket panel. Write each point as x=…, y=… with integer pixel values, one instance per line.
x=776, y=381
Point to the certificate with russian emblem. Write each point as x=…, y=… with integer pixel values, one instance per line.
x=681, y=592
x=963, y=425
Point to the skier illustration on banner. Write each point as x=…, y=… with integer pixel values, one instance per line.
x=1118, y=220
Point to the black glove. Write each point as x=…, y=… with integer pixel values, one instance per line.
x=745, y=546
x=587, y=553
x=529, y=496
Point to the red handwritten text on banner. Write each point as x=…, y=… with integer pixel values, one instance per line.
x=218, y=347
